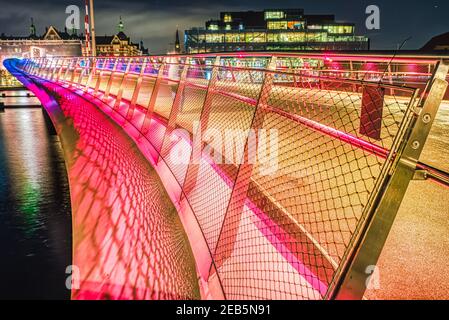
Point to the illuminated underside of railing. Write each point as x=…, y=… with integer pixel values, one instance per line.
x=345, y=151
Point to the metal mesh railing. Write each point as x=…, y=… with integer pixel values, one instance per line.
x=279, y=168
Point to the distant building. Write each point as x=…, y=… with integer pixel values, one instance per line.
x=118, y=45
x=52, y=43
x=177, y=43
x=273, y=30
x=437, y=43
x=67, y=43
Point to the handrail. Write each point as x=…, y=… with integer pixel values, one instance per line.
x=440, y=176
x=346, y=138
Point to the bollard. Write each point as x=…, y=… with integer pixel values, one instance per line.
x=2, y=107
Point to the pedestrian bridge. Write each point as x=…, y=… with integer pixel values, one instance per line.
x=237, y=176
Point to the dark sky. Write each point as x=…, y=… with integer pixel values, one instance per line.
x=155, y=21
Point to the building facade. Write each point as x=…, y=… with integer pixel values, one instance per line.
x=273, y=30
x=117, y=45
x=52, y=43
x=67, y=43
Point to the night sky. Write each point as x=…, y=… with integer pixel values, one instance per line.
x=155, y=21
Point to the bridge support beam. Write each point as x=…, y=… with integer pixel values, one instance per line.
x=175, y=109
x=153, y=98
x=119, y=95
x=229, y=229
x=197, y=148
x=355, y=276
x=136, y=91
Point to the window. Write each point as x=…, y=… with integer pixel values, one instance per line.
x=213, y=27
x=295, y=25
x=227, y=18
x=269, y=15
x=317, y=37
x=255, y=37
x=228, y=27
x=277, y=25
x=214, y=38
x=235, y=37
x=340, y=29
x=273, y=37
x=286, y=37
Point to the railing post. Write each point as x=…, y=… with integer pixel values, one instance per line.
x=351, y=280
x=93, y=70
x=60, y=69
x=110, y=80
x=36, y=66
x=40, y=67
x=351, y=68
x=45, y=62
x=98, y=82
x=32, y=66
x=49, y=68
x=27, y=66
x=153, y=98
x=176, y=106
x=136, y=91
x=118, y=97
x=84, y=71
x=75, y=66
x=67, y=70
x=54, y=68
x=390, y=78
x=229, y=229
x=193, y=167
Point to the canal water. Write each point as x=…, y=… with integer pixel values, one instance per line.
x=35, y=214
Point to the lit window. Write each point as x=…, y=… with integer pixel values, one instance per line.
x=255, y=37
x=228, y=27
x=235, y=37
x=214, y=38
x=295, y=25
x=274, y=15
x=241, y=27
x=277, y=25
x=227, y=18
x=213, y=27
x=341, y=29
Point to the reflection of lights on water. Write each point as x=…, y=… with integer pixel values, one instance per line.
x=29, y=203
x=26, y=144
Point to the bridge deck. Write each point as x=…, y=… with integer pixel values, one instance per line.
x=300, y=219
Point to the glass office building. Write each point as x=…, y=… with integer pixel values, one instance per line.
x=273, y=30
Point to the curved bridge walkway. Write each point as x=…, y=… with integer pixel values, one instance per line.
x=284, y=184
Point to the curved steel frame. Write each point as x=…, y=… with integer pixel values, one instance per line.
x=348, y=276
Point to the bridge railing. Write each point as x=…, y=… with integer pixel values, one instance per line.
x=293, y=177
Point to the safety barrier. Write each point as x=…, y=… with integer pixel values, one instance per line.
x=293, y=177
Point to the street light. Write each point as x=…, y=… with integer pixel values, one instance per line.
x=92, y=26
x=89, y=25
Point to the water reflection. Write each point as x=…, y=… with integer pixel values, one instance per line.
x=35, y=220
